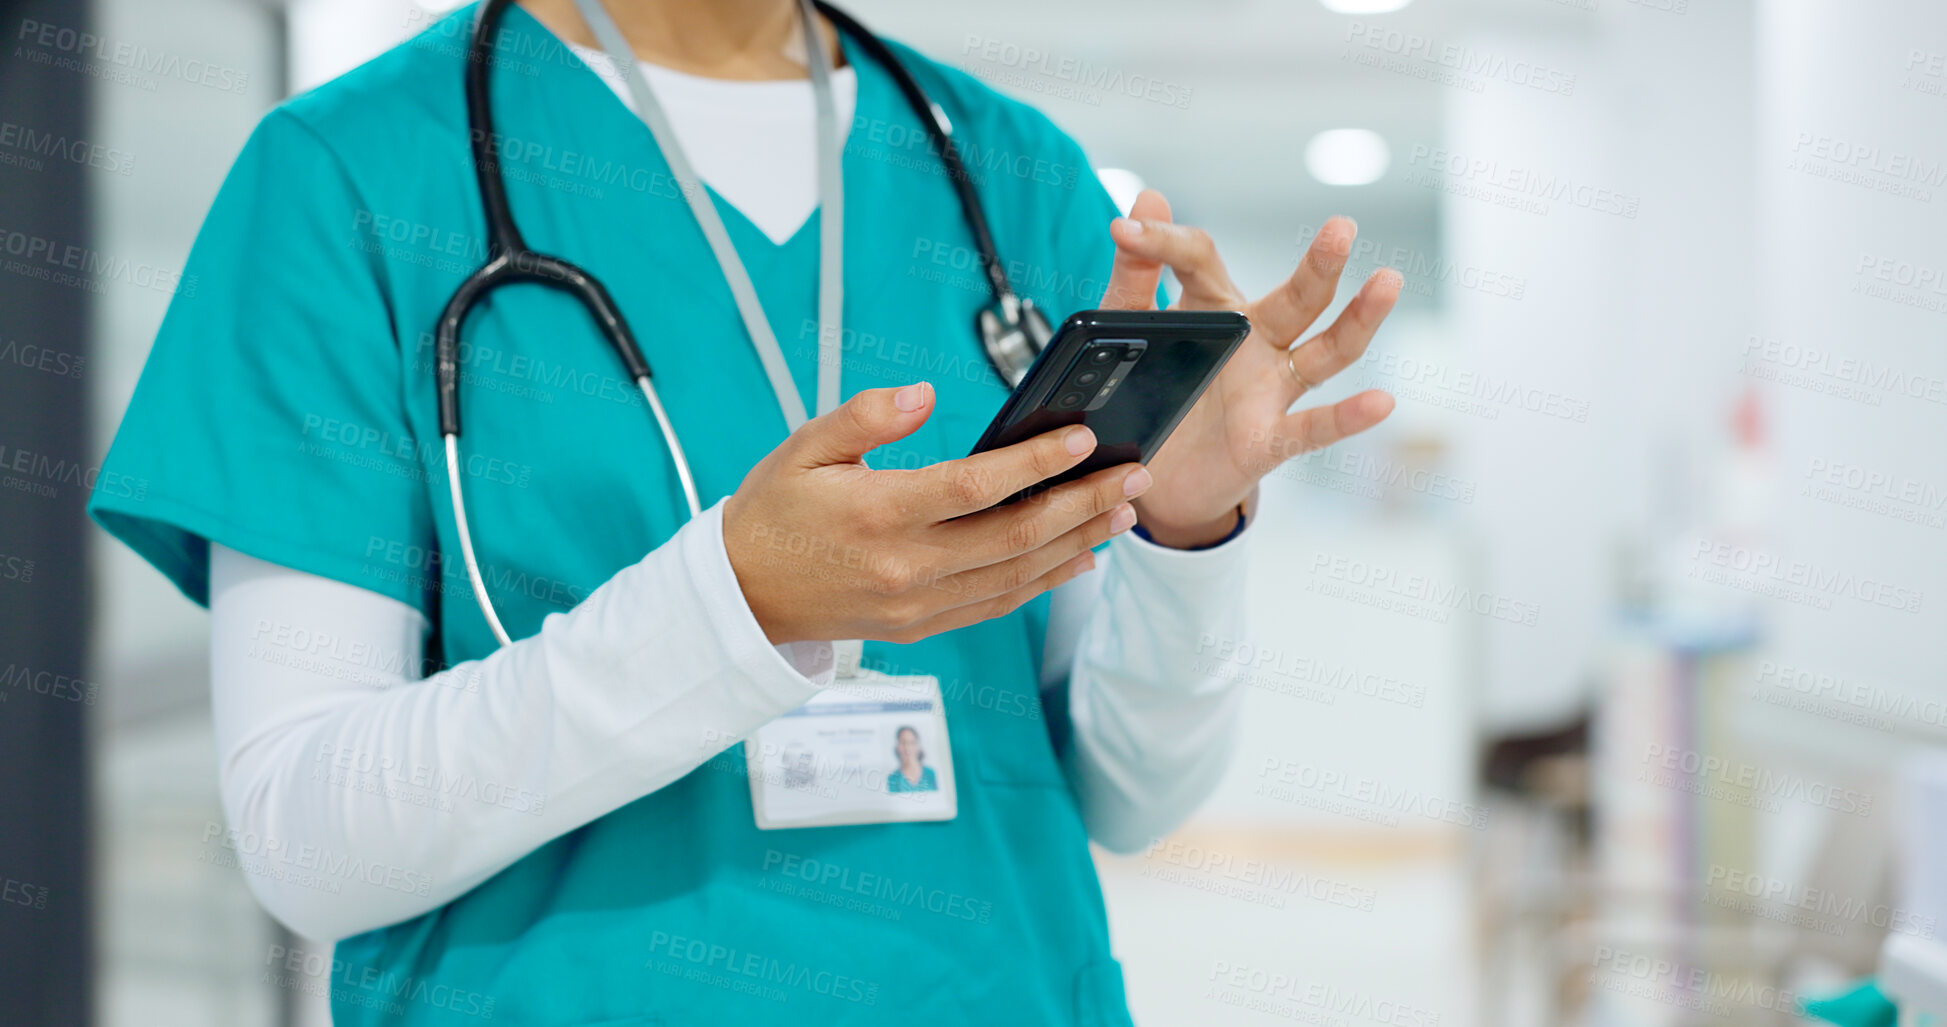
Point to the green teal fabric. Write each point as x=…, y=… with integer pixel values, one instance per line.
x=1862, y=1005
x=287, y=411
x=896, y=782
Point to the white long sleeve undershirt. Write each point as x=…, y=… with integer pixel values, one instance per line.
x=330, y=742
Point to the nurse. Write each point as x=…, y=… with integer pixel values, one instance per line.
x=566, y=829
x=912, y=774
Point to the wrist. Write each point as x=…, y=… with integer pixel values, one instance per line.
x=745, y=566
x=1205, y=535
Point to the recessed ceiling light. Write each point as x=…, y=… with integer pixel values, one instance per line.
x=1123, y=185
x=1347, y=156
x=1364, y=6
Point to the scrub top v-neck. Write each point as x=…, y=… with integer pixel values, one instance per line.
x=287, y=412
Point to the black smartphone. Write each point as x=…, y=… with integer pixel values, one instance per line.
x=1130, y=375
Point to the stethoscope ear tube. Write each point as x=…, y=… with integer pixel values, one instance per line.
x=939, y=131
x=502, y=233
x=466, y=541
x=446, y=340
x=463, y=529
x=676, y=456
x=1011, y=330
x=524, y=265
x=528, y=266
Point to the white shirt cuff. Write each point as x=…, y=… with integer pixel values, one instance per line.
x=1188, y=565
x=816, y=661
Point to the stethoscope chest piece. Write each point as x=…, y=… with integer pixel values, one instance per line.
x=1014, y=332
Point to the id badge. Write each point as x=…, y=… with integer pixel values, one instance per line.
x=871, y=749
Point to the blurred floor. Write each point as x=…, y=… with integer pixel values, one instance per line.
x=1331, y=927
x=1200, y=944
x=1209, y=928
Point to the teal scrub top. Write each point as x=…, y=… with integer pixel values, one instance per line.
x=896, y=782
x=287, y=412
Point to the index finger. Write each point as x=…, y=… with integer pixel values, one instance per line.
x=954, y=488
x=1133, y=279
x=1187, y=251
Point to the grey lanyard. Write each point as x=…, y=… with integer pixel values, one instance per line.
x=831, y=234
x=831, y=217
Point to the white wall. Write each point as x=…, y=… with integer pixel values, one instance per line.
x=1638, y=290
x=1860, y=90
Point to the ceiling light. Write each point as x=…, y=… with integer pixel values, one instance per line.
x=1347, y=156
x=1123, y=185
x=1364, y=6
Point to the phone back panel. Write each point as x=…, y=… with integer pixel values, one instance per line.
x=1184, y=352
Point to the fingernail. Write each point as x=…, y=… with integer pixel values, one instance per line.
x=1122, y=520
x=1131, y=225
x=1078, y=441
x=1085, y=563
x=1137, y=481
x=910, y=398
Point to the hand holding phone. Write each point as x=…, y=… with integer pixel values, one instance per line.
x=825, y=547
x=1129, y=375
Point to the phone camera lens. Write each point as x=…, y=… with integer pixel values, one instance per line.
x=1088, y=378
x=1102, y=356
x=1069, y=400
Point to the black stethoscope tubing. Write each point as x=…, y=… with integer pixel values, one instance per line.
x=1012, y=331
x=510, y=260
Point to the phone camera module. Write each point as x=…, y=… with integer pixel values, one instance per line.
x=1088, y=378
x=1070, y=400
x=1102, y=356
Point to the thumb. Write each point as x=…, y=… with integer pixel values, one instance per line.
x=1133, y=279
x=865, y=422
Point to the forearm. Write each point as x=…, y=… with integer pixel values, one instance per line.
x=1154, y=722
x=431, y=786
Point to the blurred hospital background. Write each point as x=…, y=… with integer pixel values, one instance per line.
x=1602, y=685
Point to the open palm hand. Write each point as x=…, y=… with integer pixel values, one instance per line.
x=1240, y=429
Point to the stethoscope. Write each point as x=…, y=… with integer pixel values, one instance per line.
x=1012, y=330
